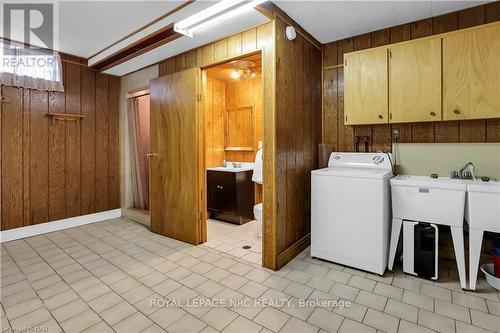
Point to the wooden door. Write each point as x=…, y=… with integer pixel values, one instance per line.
x=415, y=81
x=366, y=86
x=176, y=165
x=471, y=74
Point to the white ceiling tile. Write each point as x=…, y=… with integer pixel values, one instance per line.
x=376, y=14
x=441, y=7
x=408, y=11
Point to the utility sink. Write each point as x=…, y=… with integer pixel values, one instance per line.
x=482, y=213
x=483, y=205
x=426, y=199
x=433, y=200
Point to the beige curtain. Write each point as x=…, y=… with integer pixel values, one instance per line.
x=138, y=122
x=28, y=67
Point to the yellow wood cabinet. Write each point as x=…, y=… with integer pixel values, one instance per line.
x=415, y=81
x=366, y=87
x=471, y=74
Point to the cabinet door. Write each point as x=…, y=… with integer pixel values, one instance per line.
x=415, y=81
x=365, y=79
x=471, y=74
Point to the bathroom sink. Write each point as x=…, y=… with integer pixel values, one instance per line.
x=426, y=199
x=482, y=209
x=233, y=168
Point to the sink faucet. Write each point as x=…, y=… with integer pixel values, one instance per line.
x=462, y=174
x=236, y=165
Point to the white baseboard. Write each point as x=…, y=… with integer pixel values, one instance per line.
x=42, y=228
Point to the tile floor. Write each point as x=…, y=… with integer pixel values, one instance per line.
x=117, y=276
x=230, y=238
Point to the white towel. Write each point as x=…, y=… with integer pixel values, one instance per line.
x=257, y=168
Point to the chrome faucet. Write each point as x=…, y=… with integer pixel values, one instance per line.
x=462, y=174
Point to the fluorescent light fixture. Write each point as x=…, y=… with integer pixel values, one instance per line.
x=221, y=11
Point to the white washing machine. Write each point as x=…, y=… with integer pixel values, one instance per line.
x=350, y=210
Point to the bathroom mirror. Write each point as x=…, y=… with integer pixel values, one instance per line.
x=239, y=131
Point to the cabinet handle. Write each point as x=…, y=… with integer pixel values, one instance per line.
x=433, y=113
x=380, y=116
x=220, y=187
x=151, y=154
x=456, y=111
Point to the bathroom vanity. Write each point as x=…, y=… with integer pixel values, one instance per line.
x=230, y=194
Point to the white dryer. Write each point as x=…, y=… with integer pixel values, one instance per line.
x=350, y=210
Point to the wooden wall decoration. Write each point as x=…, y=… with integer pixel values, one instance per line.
x=54, y=169
x=246, y=93
x=341, y=136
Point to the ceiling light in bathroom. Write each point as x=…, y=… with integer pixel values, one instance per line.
x=235, y=74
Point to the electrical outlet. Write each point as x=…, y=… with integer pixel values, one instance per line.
x=395, y=134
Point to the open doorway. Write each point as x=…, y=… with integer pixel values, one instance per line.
x=233, y=113
x=138, y=120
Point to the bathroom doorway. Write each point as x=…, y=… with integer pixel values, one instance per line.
x=138, y=122
x=233, y=126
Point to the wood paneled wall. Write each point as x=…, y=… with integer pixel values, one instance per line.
x=242, y=93
x=341, y=136
x=298, y=133
x=214, y=103
x=56, y=169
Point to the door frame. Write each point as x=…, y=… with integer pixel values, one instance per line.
x=203, y=229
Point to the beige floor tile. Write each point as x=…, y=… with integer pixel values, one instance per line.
x=339, y=276
x=436, y=292
x=124, y=285
x=435, y=321
x=94, y=292
x=298, y=276
x=371, y=300
x=117, y=312
x=70, y=310
x=277, y=282
x=317, y=270
x=344, y=291
x=298, y=290
x=406, y=283
x=350, y=326
x=23, y=308
x=320, y=283
x=135, y=323
x=219, y=318
x=362, y=283
x=30, y=319
x=485, y=320
x=166, y=287
x=408, y=327
x=418, y=300
x=381, y=321
x=100, y=327
x=275, y=298
x=240, y=269
x=166, y=316
x=242, y=324
x=388, y=291
x=295, y=325
x=298, y=310
x=351, y=310
x=272, y=319
x=80, y=322
x=493, y=307
x=469, y=301
x=60, y=299
x=186, y=324
x=104, y=302
x=454, y=311
x=247, y=308
x=402, y=310
x=253, y=289
x=136, y=294
x=325, y=319
x=467, y=328
x=18, y=297
x=154, y=329
x=234, y=281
